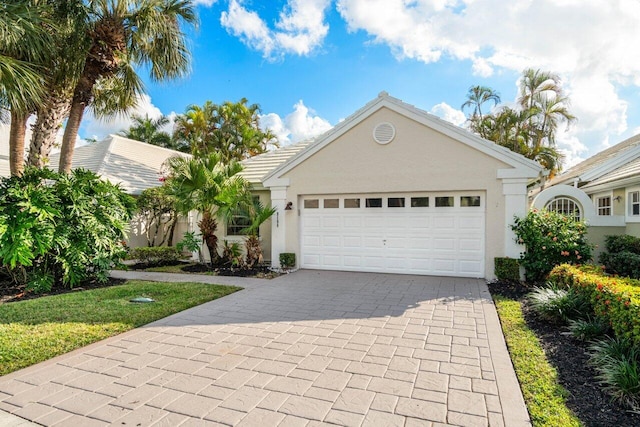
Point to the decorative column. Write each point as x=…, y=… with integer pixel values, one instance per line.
x=278, y=230
x=515, y=204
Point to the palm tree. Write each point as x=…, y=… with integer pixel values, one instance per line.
x=25, y=44
x=257, y=214
x=147, y=130
x=207, y=185
x=476, y=97
x=194, y=127
x=125, y=33
x=60, y=74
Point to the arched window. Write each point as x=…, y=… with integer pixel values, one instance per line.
x=565, y=206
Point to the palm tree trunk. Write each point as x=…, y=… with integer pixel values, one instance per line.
x=208, y=226
x=70, y=136
x=49, y=120
x=16, y=142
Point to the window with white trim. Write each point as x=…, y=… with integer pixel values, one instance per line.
x=634, y=203
x=603, y=205
x=565, y=206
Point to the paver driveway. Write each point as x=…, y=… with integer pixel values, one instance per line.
x=305, y=349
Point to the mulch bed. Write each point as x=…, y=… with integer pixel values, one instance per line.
x=260, y=272
x=569, y=356
x=10, y=292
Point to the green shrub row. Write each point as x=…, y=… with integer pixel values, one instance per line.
x=622, y=255
x=156, y=254
x=622, y=243
x=615, y=300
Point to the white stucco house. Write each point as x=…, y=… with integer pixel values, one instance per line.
x=603, y=190
x=393, y=189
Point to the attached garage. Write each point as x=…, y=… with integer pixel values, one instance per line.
x=394, y=189
x=420, y=233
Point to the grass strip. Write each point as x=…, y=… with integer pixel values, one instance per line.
x=544, y=396
x=36, y=330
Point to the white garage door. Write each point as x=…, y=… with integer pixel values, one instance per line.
x=433, y=234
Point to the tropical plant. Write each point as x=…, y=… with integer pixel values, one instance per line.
x=531, y=127
x=124, y=34
x=207, y=185
x=257, y=213
x=558, y=305
x=231, y=254
x=476, y=98
x=61, y=228
x=158, y=214
x=550, y=239
x=25, y=44
x=588, y=328
x=191, y=242
x=146, y=129
x=617, y=362
x=231, y=129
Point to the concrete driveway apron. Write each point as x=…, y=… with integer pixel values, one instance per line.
x=309, y=348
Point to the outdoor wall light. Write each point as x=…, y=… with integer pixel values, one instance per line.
x=617, y=198
x=289, y=206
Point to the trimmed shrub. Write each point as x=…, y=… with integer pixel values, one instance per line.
x=622, y=255
x=287, y=260
x=622, y=263
x=615, y=300
x=622, y=243
x=550, y=239
x=156, y=254
x=507, y=269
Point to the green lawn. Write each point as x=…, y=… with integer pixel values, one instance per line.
x=36, y=330
x=544, y=396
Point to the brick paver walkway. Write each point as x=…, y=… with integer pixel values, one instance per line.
x=305, y=349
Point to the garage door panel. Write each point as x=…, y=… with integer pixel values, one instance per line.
x=331, y=222
x=446, y=241
x=332, y=260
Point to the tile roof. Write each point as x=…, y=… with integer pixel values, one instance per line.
x=135, y=165
x=257, y=167
x=596, y=160
x=631, y=169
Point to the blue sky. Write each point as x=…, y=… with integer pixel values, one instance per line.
x=311, y=63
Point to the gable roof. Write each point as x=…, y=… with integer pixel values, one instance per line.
x=602, y=163
x=529, y=168
x=134, y=165
x=255, y=168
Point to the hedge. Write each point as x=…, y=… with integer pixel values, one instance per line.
x=155, y=254
x=616, y=300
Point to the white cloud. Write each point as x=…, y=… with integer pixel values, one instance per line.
x=448, y=113
x=95, y=128
x=589, y=43
x=206, y=3
x=300, y=29
x=298, y=125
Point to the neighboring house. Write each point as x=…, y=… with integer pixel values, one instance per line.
x=394, y=189
x=604, y=190
x=134, y=165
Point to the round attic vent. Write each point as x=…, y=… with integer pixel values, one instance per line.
x=384, y=133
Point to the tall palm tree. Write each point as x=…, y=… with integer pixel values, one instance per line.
x=60, y=73
x=25, y=44
x=194, y=127
x=477, y=96
x=123, y=34
x=147, y=130
x=211, y=187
